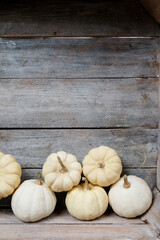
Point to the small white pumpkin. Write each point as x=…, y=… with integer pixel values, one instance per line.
x=10, y=174
x=102, y=166
x=130, y=196
x=86, y=201
x=61, y=171
x=33, y=200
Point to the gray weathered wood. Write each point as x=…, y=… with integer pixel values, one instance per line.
x=36, y=103
x=136, y=147
x=158, y=164
x=75, y=18
x=63, y=217
x=78, y=58
x=152, y=217
x=85, y=232
x=158, y=160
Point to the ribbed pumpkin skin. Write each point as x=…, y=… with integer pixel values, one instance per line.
x=57, y=180
x=32, y=202
x=130, y=202
x=102, y=166
x=86, y=204
x=10, y=174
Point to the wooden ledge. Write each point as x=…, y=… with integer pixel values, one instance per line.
x=61, y=225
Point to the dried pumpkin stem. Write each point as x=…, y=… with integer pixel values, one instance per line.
x=126, y=184
x=64, y=169
x=101, y=165
x=86, y=185
x=39, y=179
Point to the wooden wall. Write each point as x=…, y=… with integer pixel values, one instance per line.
x=75, y=75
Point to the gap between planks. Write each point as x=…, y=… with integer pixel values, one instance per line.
x=76, y=37
x=82, y=128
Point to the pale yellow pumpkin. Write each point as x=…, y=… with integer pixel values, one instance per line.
x=102, y=166
x=61, y=171
x=86, y=201
x=10, y=174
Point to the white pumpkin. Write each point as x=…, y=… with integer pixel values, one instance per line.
x=86, y=201
x=130, y=196
x=33, y=200
x=10, y=174
x=61, y=171
x=102, y=166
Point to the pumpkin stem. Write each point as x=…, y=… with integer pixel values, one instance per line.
x=86, y=185
x=126, y=184
x=64, y=169
x=101, y=165
x=39, y=179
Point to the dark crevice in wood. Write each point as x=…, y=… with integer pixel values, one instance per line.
x=82, y=128
x=153, y=229
x=75, y=37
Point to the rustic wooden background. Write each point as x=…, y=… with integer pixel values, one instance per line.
x=75, y=75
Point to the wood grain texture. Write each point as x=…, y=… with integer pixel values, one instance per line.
x=85, y=232
x=152, y=217
x=136, y=147
x=158, y=161
x=63, y=217
x=36, y=103
x=79, y=58
x=148, y=174
x=75, y=18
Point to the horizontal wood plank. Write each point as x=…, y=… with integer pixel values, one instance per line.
x=63, y=217
x=85, y=232
x=149, y=175
x=36, y=103
x=136, y=147
x=75, y=18
x=78, y=58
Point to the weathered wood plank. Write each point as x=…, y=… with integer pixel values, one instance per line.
x=158, y=161
x=152, y=217
x=149, y=175
x=75, y=18
x=136, y=147
x=37, y=103
x=85, y=232
x=78, y=57
x=63, y=217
